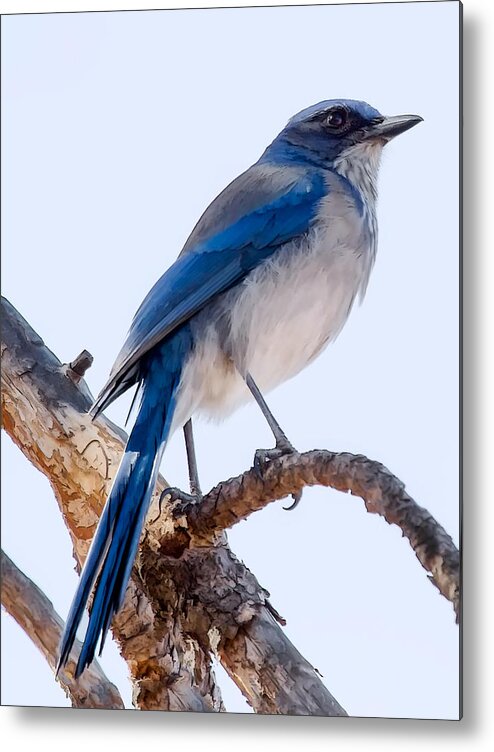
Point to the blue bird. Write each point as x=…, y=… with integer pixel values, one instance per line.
x=265, y=281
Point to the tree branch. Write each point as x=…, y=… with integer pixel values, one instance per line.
x=187, y=598
x=44, y=411
x=383, y=493
x=243, y=632
x=35, y=614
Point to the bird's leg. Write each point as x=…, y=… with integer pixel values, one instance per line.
x=177, y=495
x=282, y=447
x=195, y=487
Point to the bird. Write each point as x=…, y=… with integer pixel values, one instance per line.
x=266, y=279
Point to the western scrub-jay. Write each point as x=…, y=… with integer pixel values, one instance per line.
x=265, y=281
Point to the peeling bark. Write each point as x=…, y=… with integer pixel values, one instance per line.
x=44, y=412
x=240, y=627
x=35, y=614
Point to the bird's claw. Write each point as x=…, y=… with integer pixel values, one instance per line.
x=296, y=498
x=260, y=462
x=263, y=457
x=179, y=500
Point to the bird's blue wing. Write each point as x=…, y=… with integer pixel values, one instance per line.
x=256, y=214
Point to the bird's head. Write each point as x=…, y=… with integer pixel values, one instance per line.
x=333, y=130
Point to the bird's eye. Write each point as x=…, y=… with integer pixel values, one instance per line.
x=337, y=118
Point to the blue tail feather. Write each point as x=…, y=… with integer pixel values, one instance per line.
x=114, y=547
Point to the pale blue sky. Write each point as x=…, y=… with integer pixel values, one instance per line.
x=118, y=130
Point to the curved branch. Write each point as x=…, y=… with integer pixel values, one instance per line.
x=383, y=493
x=35, y=614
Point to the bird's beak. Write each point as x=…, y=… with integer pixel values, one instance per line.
x=392, y=126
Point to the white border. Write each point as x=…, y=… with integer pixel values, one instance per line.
x=57, y=728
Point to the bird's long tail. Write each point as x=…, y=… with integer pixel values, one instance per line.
x=115, y=543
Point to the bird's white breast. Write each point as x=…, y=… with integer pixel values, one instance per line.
x=282, y=315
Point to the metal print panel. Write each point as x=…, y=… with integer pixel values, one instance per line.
x=231, y=277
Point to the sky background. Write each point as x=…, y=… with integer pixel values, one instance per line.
x=118, y=130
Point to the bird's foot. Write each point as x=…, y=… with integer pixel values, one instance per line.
x=179, y=500
x=263, y=457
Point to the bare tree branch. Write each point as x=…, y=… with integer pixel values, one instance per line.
x=35, y=614
x=252, y=648
x=44, y=412
x=383, y=493
x=189, y=596
x=186, y=598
